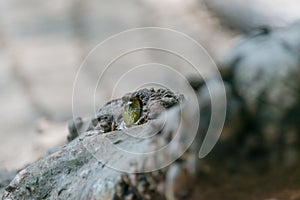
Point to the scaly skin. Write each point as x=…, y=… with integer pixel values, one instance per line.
x=132, y=109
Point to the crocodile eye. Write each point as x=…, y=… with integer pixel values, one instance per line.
x=132, y=111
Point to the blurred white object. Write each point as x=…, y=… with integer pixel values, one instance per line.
x=247, y=15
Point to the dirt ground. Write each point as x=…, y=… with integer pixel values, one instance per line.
x=277, y=184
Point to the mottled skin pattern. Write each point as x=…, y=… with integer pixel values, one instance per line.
x=118, y=114
x=131, y=110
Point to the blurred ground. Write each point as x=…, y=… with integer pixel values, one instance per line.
x=43, y=45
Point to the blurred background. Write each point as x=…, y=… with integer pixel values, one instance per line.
x=43, y=44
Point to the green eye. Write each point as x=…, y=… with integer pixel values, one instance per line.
x=131, y=111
